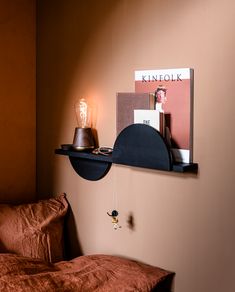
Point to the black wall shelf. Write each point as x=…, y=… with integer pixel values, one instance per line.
x=137, y=145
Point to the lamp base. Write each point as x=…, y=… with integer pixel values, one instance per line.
x=83, y=139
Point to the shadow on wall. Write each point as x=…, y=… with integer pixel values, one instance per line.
x=72, y=245
x=64, y=31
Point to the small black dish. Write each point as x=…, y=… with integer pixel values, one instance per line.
x=66, y=146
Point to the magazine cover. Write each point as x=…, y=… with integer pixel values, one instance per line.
x=173, y=90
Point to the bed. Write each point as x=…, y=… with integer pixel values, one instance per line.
x=32, y=257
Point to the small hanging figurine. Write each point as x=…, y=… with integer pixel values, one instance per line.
x=114, y=215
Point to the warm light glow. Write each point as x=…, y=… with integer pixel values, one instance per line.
x=83, y=113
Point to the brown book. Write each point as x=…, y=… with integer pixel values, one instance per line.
x=126, y=103
x=162, y=123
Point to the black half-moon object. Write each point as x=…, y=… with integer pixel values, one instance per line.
x=142, y=146
x=90, y=169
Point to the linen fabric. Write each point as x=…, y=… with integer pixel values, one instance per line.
x=91, y=273
x=34, y=230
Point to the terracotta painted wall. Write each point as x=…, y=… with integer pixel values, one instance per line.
x=183, y=223
x=17, y=100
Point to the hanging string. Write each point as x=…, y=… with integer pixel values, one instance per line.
x=115, y=197
x=114, y=214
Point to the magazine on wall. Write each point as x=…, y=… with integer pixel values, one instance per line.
x=173, y=90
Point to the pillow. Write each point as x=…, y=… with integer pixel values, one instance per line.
x=34, y=230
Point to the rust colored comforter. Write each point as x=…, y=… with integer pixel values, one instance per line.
x=86, y=273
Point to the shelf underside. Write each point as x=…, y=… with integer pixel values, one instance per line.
x=102, y=159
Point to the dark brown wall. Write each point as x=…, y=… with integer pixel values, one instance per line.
x=17, y=100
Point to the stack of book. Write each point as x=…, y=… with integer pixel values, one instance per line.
x=162, y=99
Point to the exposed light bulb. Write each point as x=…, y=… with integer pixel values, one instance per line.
x=83, y=137
x=83, y=113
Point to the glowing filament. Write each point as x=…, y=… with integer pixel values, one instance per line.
x=83, y=113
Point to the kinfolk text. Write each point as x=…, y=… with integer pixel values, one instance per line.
x=161, y=77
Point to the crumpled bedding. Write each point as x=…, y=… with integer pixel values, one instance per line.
x=89, y=273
